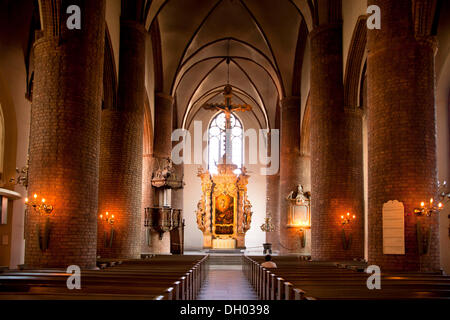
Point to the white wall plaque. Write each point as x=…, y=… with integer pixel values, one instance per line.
x=393, y=227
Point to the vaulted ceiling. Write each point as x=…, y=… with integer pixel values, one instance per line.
x=263, y=40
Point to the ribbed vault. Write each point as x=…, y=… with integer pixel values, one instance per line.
x=258, y=39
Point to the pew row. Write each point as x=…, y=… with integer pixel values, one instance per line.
x=308, y=280
x=158, y=278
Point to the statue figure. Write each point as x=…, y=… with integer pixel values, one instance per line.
x=247, y=214
x=201, y=215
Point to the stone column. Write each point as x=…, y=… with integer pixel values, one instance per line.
x=290, y=170
x=336, y=152
x=272, y=192
x=162, y=149
x=273, y=187
x=65, y=135
x=120, y=190
x=402, y=133
x=177, y=203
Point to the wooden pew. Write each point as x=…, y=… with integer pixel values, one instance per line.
x=156, y=278
x=319, y=280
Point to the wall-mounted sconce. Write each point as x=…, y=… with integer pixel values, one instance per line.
x=108, y=219
x=436, y=204
x=346, y=239
x=346, y=219
x=44, y=209
x=429, y=209
x=41, y=207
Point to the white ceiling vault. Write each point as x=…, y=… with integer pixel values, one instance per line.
x=260, y=38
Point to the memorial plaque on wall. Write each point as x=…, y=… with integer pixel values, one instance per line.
x=393, y=228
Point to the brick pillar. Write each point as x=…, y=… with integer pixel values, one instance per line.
x=64, y=138
x=120, y=190
x=336, y=152
x=272, y=200
x=290, y=170
x=177, y=203
x=401, y=132
x=162, y=149
x=148, y=194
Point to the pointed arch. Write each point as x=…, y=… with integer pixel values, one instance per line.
x=355, y=63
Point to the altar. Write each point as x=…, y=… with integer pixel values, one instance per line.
x=224, y=211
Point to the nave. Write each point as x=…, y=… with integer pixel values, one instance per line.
x=223, y=277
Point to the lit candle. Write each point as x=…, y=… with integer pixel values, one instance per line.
x=342, y=217
x=106, y=212
x=113, y=216
x=35, y=196
x=26, y=200
x=440, y=205
x=354, y=216
x=422, y=204
x=348, y=213
x=43, y=200
x=101, y=216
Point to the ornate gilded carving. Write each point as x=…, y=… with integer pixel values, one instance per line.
x=234, y=188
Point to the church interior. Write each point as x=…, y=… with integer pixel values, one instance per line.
x=167, y=149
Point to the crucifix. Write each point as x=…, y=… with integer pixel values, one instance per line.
x=228, y=108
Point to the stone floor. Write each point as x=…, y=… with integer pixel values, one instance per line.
x=226, y=283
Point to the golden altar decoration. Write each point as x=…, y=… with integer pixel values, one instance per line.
x=224, y=212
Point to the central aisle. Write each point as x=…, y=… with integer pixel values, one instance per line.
x=226, y=281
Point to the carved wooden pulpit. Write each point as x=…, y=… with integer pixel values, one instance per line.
x=224, y=211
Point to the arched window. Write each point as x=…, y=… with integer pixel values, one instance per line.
x=216, y=141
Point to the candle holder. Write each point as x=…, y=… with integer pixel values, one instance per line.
x=43, y=209
x=346, y=239
x=436, y=204
x=108, y=219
